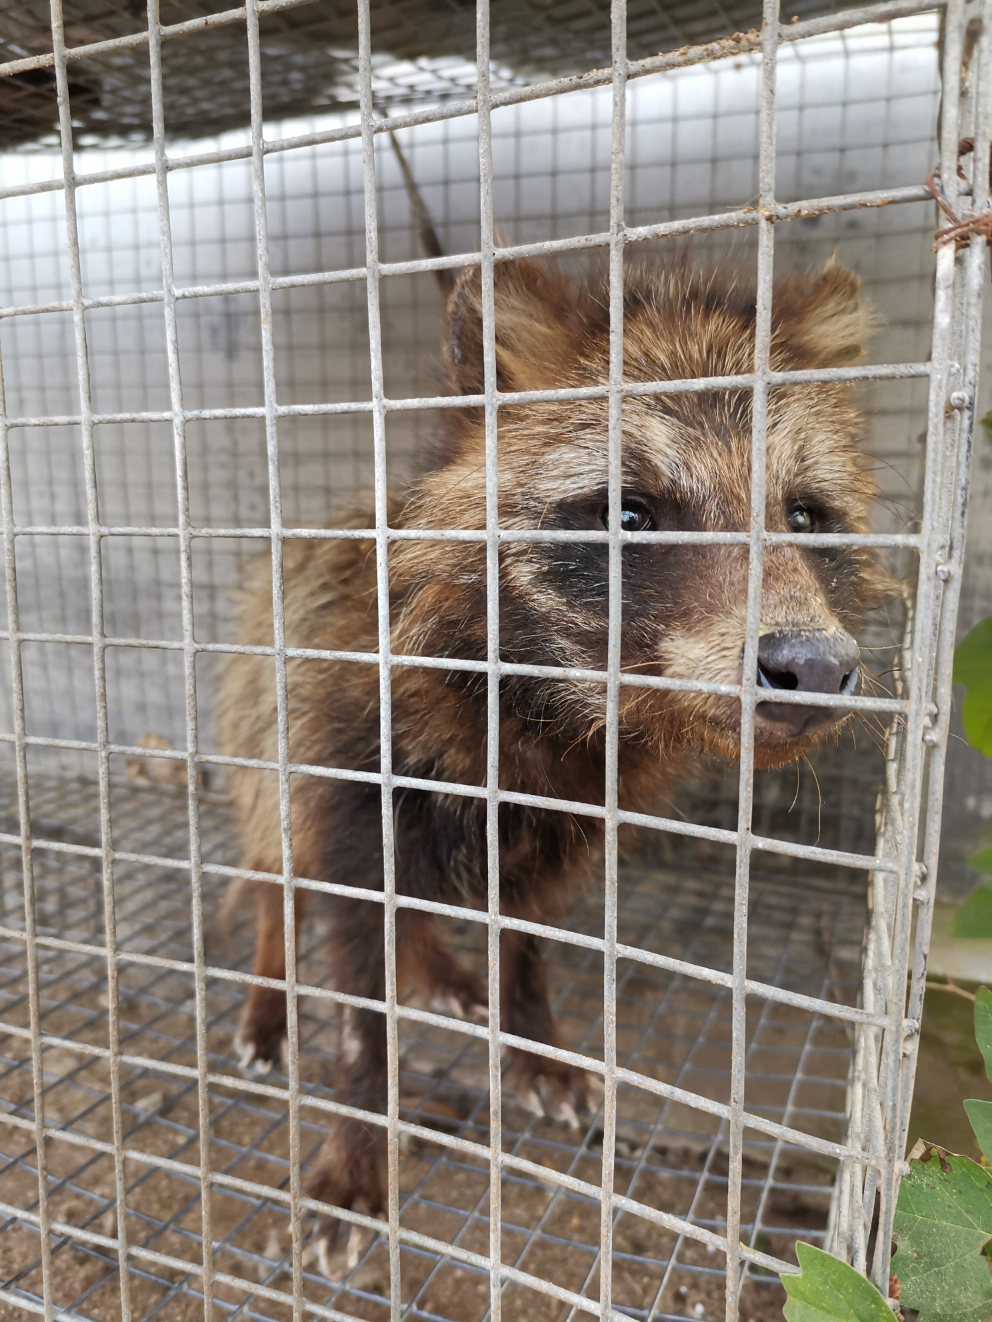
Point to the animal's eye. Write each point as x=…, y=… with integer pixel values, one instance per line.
x=800, y=518
x=635, y=515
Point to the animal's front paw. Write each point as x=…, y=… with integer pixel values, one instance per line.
x=461, y=994
x=349, y=1173
x=260, y=1041
x=551, y=1088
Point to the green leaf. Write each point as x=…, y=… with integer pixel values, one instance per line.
x=976, y=717
x=982, y=861
x=973, y=655
x=983, y=1026
x=943, y=1222
x=973, y=669
x=829, y=1290
x=974, y=918
x=980, y=1115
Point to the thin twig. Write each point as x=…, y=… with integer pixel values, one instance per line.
x=950, y=986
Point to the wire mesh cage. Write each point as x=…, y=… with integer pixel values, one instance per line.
x=746, y=979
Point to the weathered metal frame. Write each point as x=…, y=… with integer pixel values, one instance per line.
x=910, y=801
x=886, y=1024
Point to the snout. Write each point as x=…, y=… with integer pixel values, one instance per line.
x=805, y=662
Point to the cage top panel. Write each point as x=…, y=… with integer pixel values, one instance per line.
x=422, y=50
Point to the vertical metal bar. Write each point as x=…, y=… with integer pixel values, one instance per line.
x=27, y=856
x=950, y=554
x=866, y=1113
x=189, y=647
x=487, y=244
x=278, y=641
x=99, y=648
x=385, y=644
x=921, y=676
x=759, y=423
x=618, y=21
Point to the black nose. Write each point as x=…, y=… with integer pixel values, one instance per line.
x=808, y=662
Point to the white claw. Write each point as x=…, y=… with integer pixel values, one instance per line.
x=532, y=1102
x=566, y=1111
x=596, y=1089
x=246, y=1053
x=324, y=1259
x=262, y=1066
x=354, y=1246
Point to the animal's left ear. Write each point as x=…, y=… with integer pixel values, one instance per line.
x=536, y=325
x=821, y=320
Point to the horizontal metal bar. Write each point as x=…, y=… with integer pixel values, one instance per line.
x=813, y=853
x=506, y=536
x=804, y=209
x=683, y=58
x=191, y=27
x=508, y=1160
x=797, y=1138
x=793, y=697
x=165, y=1260
x=880, y=13
x=31, y=1303
x=883, y=13
x=788, y=33
x=684, y=968
x=748, y=216
x=805, y=376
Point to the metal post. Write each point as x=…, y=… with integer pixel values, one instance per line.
x=487, y=249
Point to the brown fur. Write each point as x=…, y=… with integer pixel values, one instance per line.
x=688, y=455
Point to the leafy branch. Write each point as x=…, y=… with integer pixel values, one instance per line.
x=973, y=669
x=943, y=1232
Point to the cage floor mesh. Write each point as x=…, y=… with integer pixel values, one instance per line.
x=669, y=1156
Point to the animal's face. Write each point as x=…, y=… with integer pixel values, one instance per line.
x=686, y=466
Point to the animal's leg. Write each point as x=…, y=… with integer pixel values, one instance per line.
x=350, y=1169
x=544, y=1086
x=261, y=1035
x=425, y=961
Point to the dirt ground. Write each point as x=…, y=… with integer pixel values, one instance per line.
x=950, y=1069
x=670, y=1156
x=454, y=1292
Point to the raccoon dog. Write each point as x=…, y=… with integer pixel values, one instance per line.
x=686, y=465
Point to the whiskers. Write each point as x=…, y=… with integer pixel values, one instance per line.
x=871, y=722
x=819, y=797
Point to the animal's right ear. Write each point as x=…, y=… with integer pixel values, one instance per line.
x=537, y=328
x=822, y=320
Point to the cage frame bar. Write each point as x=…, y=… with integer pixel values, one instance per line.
x=493, y=670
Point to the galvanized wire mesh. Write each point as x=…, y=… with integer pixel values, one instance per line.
x=132, y=988
x=420, y=51
x=670, y=1027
